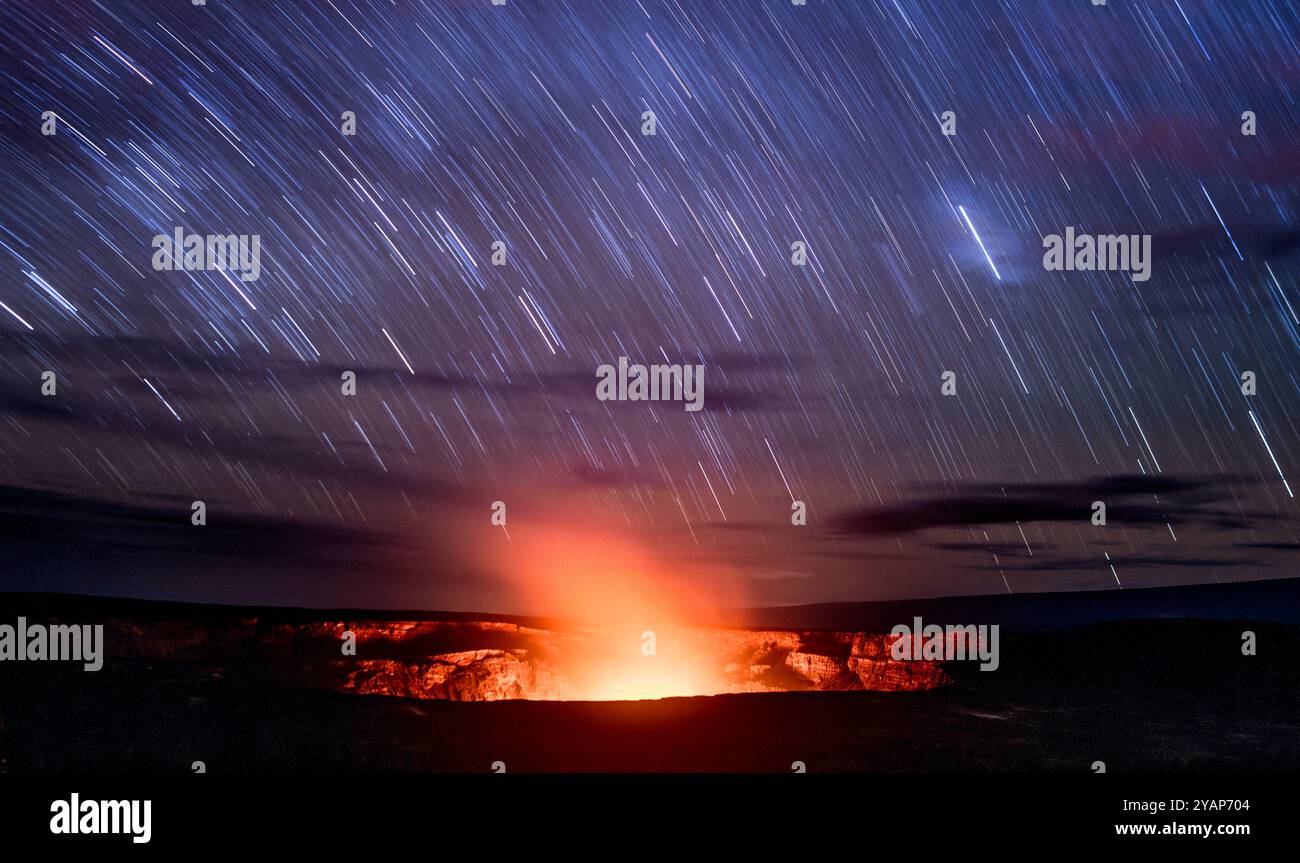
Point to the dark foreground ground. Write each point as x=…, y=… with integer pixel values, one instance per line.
x=1138, y=695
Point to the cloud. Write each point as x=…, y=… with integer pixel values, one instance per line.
x=1001, y=549
x=1085, y=564
x=55, y=519
x=1131, y=500
x=734, y=382
x=65, y=542
x=614, y=477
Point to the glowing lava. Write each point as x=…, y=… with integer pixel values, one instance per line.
x=631, y=601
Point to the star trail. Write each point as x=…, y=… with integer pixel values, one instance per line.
x=500, y=224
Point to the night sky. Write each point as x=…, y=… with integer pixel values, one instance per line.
x=475, y=383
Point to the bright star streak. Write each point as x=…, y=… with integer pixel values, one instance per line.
x=399, y=350
x=976, y=234
x=16, y=315
x=161, y=399
x=1222, y=223
x=1270, y=454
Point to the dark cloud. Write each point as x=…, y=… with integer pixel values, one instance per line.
x=613, y=477
x=182, y=370
x=40, y=516
x=1001, y=549
x=1186, y=501
x=1085, y=564
x=56, y=541
x=1270, y=242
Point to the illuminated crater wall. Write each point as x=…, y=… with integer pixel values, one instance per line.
x=604, y=664
x=489, y=660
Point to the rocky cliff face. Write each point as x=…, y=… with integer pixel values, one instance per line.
x=482, y=660
x=467, y=675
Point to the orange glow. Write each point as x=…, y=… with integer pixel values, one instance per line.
x=617, y=665
x=598, y=577
x=643, y=678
